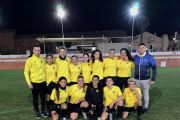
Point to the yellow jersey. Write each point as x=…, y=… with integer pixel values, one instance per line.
x=109, y=66
x=75, y=93
x=124, y=68
x=130, y=97
x=97, y=69
x=62, y=97
x=51, y=71
x=63, y=68
x=75, y=71
x=111, y=95
x=86, y=72
x=34, y=70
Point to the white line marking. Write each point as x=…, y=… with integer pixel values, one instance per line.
x=15, y=110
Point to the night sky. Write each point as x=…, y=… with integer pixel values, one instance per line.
x=40, y=16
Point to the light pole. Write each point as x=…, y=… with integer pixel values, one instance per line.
x=133, y=11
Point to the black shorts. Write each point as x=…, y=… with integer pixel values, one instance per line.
x=128, y=109
x=56, y=108
x=102, y=82
x=110, y=110
x=50, y=87
x=74, y=108
x=122, y=81
x=68, y=84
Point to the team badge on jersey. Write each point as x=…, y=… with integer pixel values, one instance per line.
x=113, y=92
x=47, y=68
x=88, y=64
x=54, y=68
x=41, y=61
x=82, y=91
x=34, y=61
x=78, y=67
x=134, y=93
x=127, y=62
x=66, y=60
x=97, y=90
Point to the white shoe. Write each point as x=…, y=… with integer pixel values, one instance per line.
x=110, y=116
x=84, y=115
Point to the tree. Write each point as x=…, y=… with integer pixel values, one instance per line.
x=142, y=23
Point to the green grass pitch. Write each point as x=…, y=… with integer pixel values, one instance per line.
x=16, y=97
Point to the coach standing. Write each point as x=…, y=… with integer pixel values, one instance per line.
x=143, y=61
x=35, y=76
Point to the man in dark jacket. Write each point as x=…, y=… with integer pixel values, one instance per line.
x=143, y=62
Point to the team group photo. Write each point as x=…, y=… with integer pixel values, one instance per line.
x=93, y=88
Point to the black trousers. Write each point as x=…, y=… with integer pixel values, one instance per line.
x=122, y=81
x=98, y=112
x=39, y=88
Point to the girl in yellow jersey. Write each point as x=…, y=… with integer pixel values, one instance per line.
x=77, y=98
x=59, y=97
x=124, y=66
x=51, y=81
x=86, y=69
x=97, y=66
x=109, y=65
x=75, y=69
x=62, y=63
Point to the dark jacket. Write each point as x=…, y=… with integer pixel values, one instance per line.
x=94, y=96
x=143, y=65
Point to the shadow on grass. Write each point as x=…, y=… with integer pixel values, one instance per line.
x=154, y=95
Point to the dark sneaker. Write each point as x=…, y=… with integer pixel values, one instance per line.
x=145, y=111
x=37, y=115
x=43, y=113
x=139, y=118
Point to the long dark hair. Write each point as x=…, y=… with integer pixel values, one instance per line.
x=100, y=88
x=100, y=57
x=84, y=85
x=58, y=87
x=130, y=58
x=87, y=55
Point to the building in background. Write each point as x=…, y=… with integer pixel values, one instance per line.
x=152, y=41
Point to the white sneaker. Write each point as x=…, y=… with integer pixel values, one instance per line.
x=84, y=115
x=110, y=116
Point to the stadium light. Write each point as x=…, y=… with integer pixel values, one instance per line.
x=61, y=14
x=133, y=11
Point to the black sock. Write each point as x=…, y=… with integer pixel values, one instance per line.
x=119, y=113
x=48, y=104
x=64, y=112
x=139, y=110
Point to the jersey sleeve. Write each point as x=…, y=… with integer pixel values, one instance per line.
x=104, y=63
x=118, y=91
x=132, y=65
x=53, y=94
x=139, y=91
x=69, y=91
x=124, y=94
x=27, y=70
